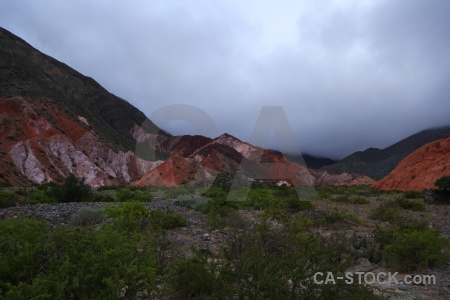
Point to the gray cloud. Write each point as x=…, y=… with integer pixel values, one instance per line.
x=349, y=74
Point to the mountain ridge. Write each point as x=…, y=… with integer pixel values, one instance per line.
x=377, y=163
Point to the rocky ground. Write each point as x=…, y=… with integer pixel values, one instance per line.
x=196, y=235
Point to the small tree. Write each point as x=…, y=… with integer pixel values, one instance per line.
x=73, y=190
x=443, y=183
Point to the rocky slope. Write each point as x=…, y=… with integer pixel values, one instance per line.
x=420, y=169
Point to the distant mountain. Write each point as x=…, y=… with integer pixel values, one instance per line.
x=377, y=163
x=420, y=169
x=229, y=155
x=55, y=121
x=308, y=160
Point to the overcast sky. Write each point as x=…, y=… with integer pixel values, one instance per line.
x=349, y=74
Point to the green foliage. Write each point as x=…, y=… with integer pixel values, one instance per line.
x=301, y=222
x=386, y=211
x=350, y=200
x=70, y=263
x=334, y=215
x=38, y=196
x=73, y=190
x=263, y=263
x=130, y=216
x=193, y=277
x=166, y=221
x=7, y=199
x=107, y=188
x=411, y=204
x=98, y=197
x=414, y=195
x=411, y=247
x=175, y=192
x=133, y=195
x=134, y=216
x=293, y=204
x=197, y=204
x=443, y=183
x=87, y=216
x=221, y=217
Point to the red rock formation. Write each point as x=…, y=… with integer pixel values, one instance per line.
x=227, y=154
x=40, y=143
x=420, y=169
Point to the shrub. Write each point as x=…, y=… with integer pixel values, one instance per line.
x=7, y=199
x=132, y=216
x=335, y=216
x=166, y=221
x=443, y=183
x=87, y=216
x=103, y=198
x=414, y=195
x=221, y=216
x=73, y=190
x=411, y=247
x=264, y=263
x=351, y=200
x=198, y=204
x=192, y=277
x=293, y=204
x=38, y=196
x=107, y=188
x=67, y=262
x=411, y=204
x=128, y=194
x=386, y=211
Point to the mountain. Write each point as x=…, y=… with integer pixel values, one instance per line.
x=308, y=160
x=420, y=169
x=55, y=121
x=229, y=155
x=377, y=163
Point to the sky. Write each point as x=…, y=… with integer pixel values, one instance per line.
x=348, y=75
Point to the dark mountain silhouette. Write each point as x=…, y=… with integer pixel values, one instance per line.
x=377, y=163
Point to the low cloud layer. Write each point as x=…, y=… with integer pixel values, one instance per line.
x=348, y=74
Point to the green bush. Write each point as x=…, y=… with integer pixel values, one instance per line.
x=128, y=194
x=337, y=216
x=351, y=200
x=166, y=221
x=411, y=204
x=414, y=195
x=193, y=277
x=107, y=188
x=103, y=198
x=263, y=263
x=130, y=216
x=443, y=183
x=87, y=216
x=293, y=204
x=134, y=216
x=73, y=190
x=411, y=247
x=73, y=263
x=221, y=216
x=7, y=199
x=38, y=196
x=386, y=211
